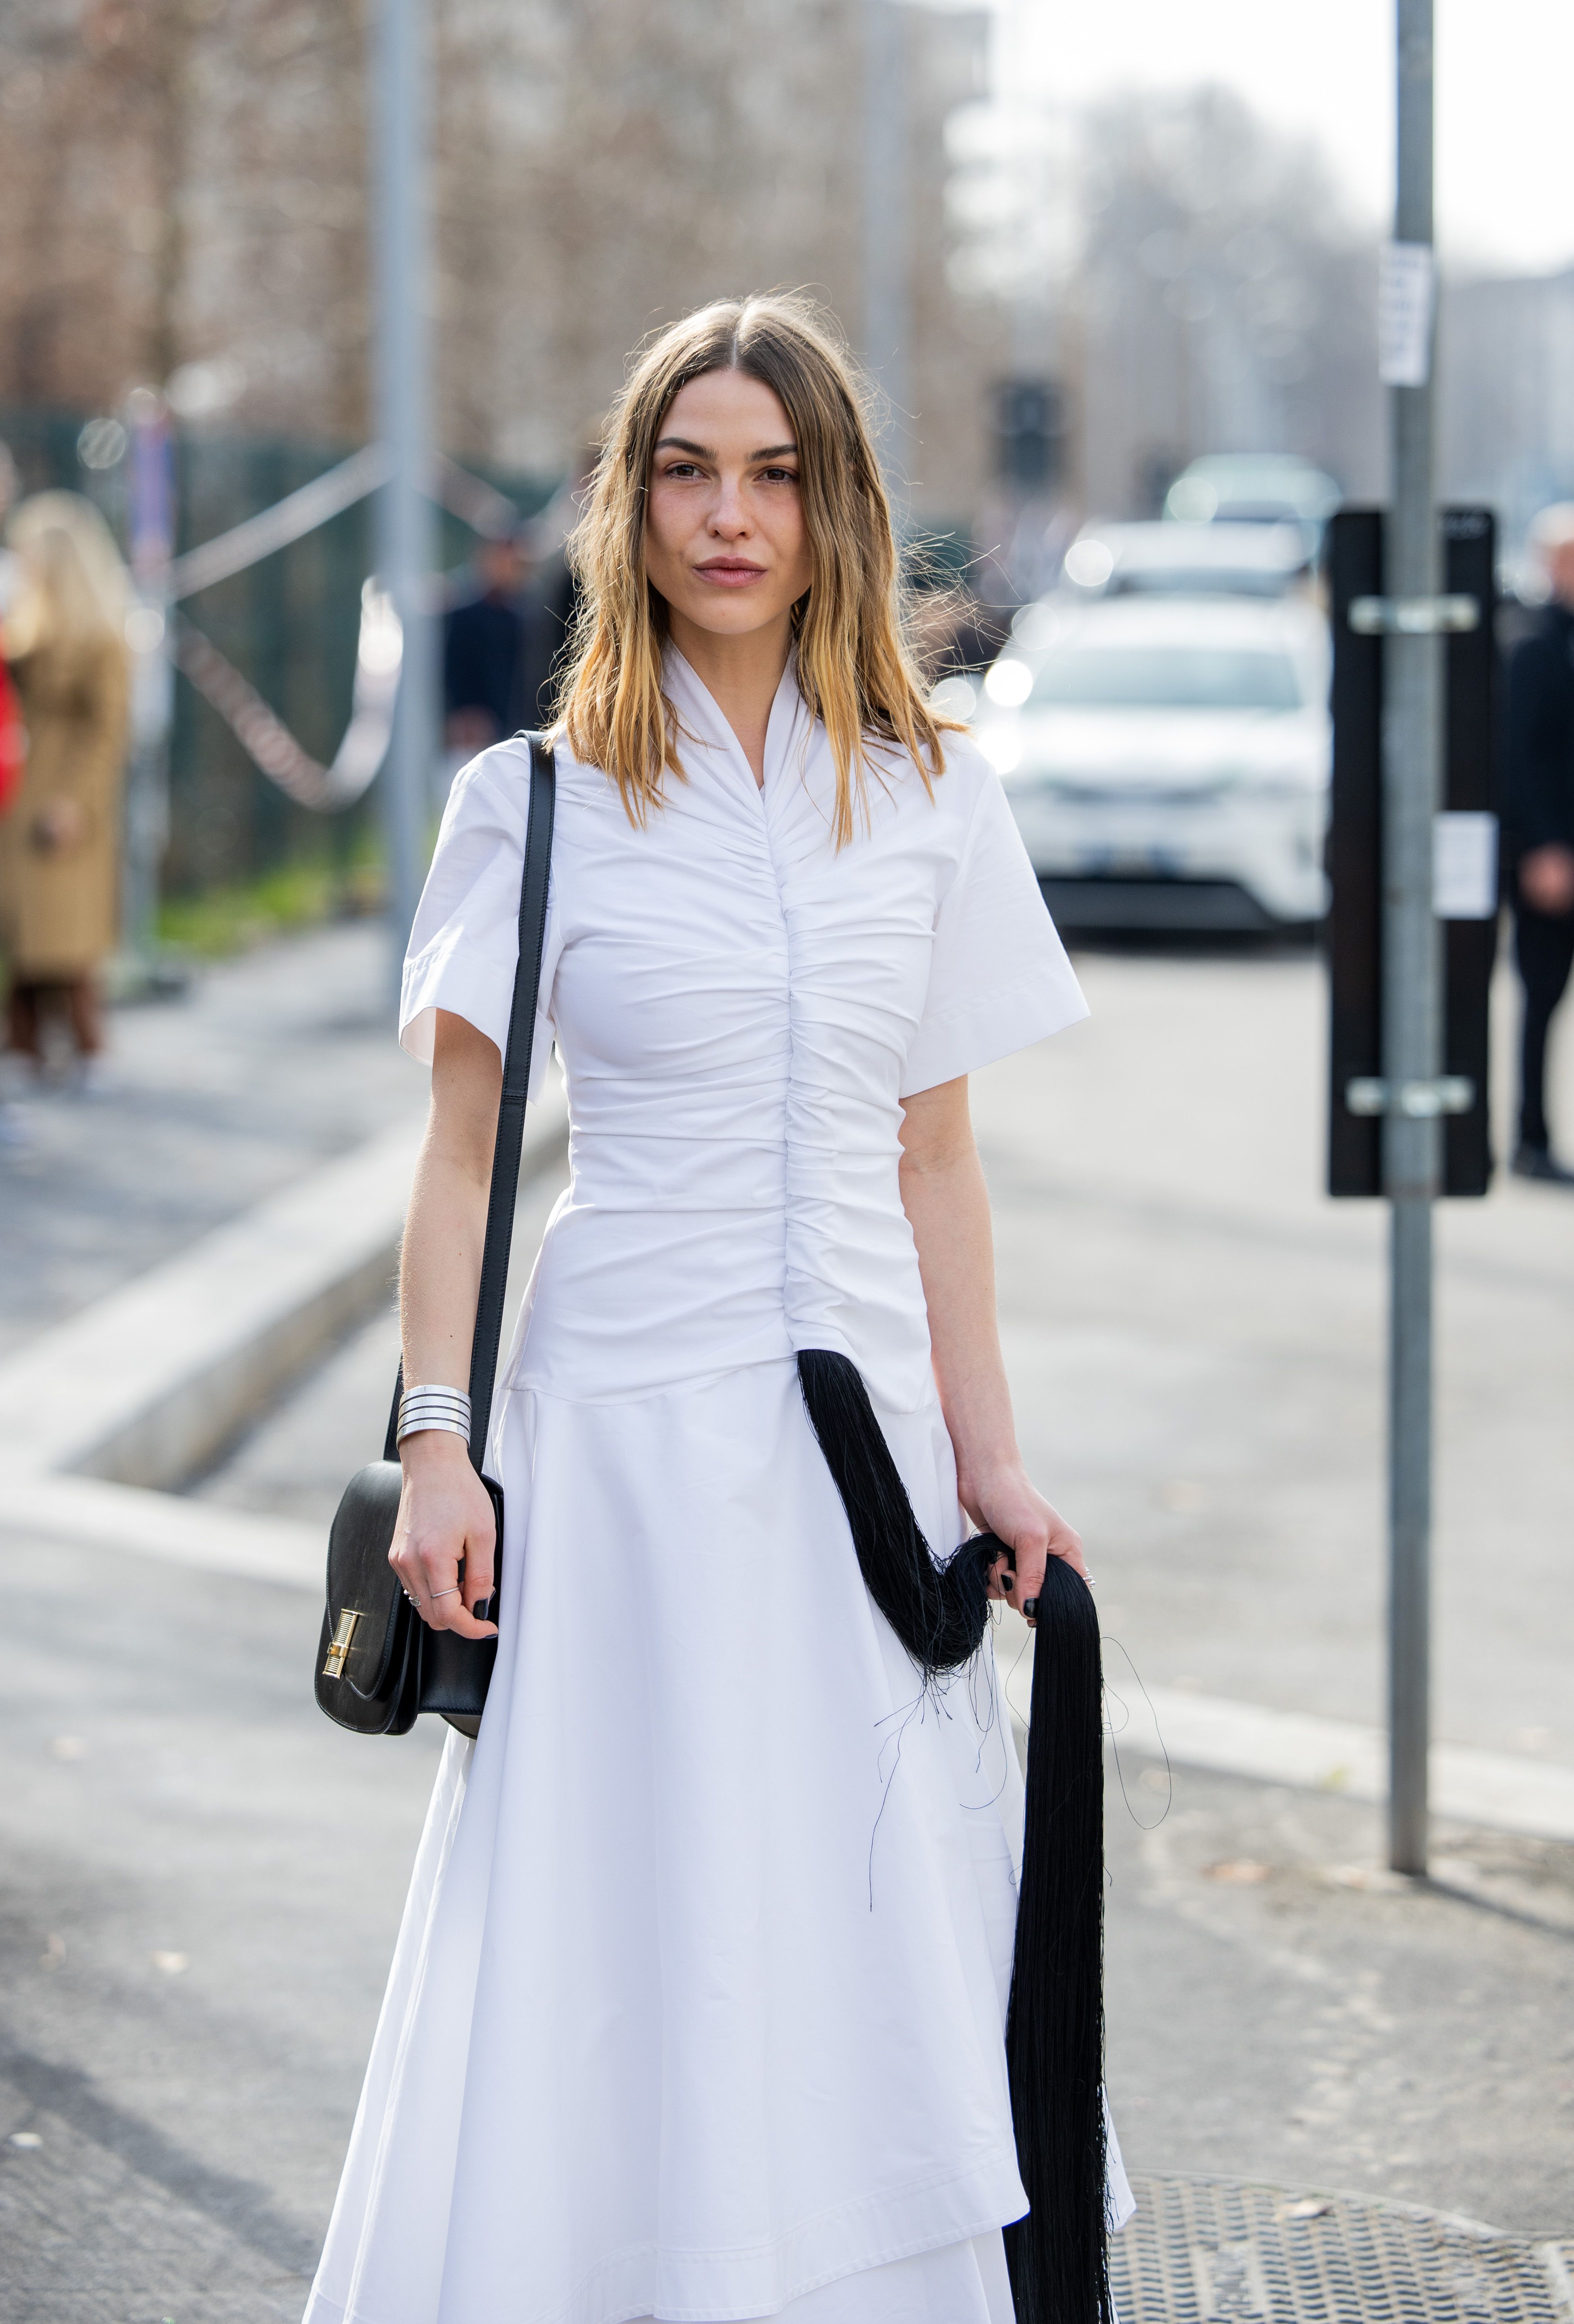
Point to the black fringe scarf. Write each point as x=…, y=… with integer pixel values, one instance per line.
x=1054, y=2030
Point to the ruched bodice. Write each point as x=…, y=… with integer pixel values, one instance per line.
x=740, y=1009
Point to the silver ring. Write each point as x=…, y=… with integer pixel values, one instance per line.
x=445, y=1593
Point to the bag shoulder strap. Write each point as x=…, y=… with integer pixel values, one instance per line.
x=516, y=1063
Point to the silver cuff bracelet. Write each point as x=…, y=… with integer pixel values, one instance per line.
x=422, y=1409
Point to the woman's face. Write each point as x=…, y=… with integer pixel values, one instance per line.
x=725, y=538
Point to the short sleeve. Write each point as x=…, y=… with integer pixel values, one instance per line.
x=999, y=978
x=463, y=947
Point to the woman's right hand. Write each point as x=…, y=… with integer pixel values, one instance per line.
x=59, y=825
x=445, y=1520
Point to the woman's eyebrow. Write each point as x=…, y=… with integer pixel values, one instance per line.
x=703, y=451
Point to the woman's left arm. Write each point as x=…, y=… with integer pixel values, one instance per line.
x=948, y=1208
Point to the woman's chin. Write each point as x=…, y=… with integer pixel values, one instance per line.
x=728, y=613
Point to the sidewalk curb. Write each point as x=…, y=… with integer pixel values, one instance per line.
x=87, y=1513
x=145, y=1385
x=1501, y=1791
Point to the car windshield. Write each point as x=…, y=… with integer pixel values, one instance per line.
x=1166, y=677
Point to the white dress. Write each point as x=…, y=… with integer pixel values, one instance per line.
x=697, y=2010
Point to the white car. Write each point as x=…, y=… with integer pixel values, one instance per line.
x=1186, y=560
x=1167, y=759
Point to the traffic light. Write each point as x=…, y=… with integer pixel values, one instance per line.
x=1029, y=424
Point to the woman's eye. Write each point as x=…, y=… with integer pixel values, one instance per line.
x=679, y=469
x=779, y=475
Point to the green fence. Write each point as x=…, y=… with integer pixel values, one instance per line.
x=288, y=623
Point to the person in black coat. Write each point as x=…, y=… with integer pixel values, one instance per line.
x=483, y=673
x=1540, y=814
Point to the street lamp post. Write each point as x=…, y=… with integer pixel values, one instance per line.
x=1411, y=1142
x=406, y=538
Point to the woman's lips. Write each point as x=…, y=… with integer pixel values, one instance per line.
x=730, y=573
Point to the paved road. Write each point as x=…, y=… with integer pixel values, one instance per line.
x=274, y=1063
x=204, y=1879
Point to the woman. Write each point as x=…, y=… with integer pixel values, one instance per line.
x=60, y=842
x=697, y=2009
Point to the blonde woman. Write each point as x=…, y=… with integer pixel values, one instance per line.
x=697, y=2009
x=60, y=840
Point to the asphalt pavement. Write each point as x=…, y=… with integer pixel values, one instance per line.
x=270, y=1064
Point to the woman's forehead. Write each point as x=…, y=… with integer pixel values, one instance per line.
x=729, y=411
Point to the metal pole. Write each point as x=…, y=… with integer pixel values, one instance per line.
x=1411, y=760
x=151, y=461
x=406, y=531
x=887, y=256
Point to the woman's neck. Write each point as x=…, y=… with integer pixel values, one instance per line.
x=741, y=674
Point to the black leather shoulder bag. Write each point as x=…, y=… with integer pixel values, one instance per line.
x=377, y=1663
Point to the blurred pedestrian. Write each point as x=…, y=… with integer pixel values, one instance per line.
x=1539, y=801
x=699, y=2004
x=13, y=734
x=59, y=845
x=483, y=696
x=553, y=599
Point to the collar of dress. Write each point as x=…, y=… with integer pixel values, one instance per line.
x=792, y=736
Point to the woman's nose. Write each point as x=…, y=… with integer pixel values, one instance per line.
x=730, y=515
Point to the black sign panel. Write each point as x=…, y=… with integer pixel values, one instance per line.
x=1354, y=928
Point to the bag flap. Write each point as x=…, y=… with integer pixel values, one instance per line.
x=360, y=1580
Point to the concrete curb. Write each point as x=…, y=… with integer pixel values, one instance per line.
x=85, y=1513
x=147, y=1385
x=1501, y=1791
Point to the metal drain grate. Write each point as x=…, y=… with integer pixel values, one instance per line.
x=1210, y=2251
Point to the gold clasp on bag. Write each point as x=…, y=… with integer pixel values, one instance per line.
x=338, y=1652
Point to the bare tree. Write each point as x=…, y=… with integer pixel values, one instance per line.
x=185, y=184
x=1226, y=302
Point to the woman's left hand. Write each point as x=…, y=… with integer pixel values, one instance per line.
x=1008, y=1504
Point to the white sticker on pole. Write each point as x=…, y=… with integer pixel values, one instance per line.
x=1465, y=867
x=1406, y=276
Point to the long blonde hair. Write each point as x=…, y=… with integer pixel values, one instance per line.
x=857, y=670
x=75, y=592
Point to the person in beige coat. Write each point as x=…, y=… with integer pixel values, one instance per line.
x=60, y=839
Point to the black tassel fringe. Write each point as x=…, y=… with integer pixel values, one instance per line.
x=1054, y=2027
x=937, y=1612
x=1054, y=2037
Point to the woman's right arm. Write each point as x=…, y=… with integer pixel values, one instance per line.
x=445, y=1512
